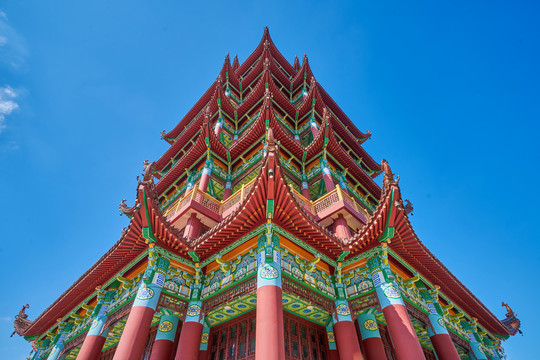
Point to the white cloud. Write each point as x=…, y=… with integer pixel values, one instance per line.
x=7, y=104
x=13, y=50
x=6, y=319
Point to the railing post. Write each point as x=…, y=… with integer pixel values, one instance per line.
x=339, y=192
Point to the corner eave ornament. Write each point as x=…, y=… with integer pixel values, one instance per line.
x=21, y=322
x=511, y=322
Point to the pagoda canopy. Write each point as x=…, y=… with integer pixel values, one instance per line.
x=267, y=150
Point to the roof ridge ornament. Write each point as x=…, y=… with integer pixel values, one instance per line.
x=266, y=64
x=305, y=60
x=388, y=175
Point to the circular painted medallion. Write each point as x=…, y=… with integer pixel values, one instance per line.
x=370, y=325
x=94, y=324
x=331, y=337
x=194, y=310
x=269, y=273
x=391, y=292
x=165, y=326
x=145, y=293
x=204, y=338
x=343, y=310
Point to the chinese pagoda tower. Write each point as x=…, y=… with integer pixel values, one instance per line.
x=261, y=234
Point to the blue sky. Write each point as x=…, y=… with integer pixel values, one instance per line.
x=450, y=93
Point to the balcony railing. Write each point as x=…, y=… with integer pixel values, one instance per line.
x=317, y=207
x=208, y=202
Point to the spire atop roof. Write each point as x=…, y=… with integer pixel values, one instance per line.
x=296, y=65
x=235, y=64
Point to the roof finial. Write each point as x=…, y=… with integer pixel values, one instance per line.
x=388, y=175
x=296, y=64
x=227, y=58
x=266, y=31
x=305, y=60
x=270, y=137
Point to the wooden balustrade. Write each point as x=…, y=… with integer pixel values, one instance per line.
x=209, y=202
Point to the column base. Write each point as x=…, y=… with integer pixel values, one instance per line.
x=133, y=340
x=444, y=347
x=189, y=342
x=347, y=341
x=91, y=348
x=406, y=344
x=374, y=349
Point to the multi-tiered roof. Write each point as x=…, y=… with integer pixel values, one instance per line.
x=267, y=129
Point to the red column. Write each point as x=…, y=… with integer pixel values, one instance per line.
x=270, y=342
x=341, y=228
x=333, y=355
x=444, y=347
x=193, y=227
x=374, y=348
x=228, y=190
x=189, y=342
x=161, y=350
x=91, y=348
x=347, y=341
x=133, y=340
x=402, y=332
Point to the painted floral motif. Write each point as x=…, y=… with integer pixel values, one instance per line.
x=441, y=322
x=194, y=310
x=343, y=310
x=165, y=326
x=145, y=293
x=269, y=273
x=331, y=337
x=370, y=325
x=204, y=338
x=391, y=292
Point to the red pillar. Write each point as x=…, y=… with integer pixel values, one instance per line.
x=161, y=350
x=193, y=227
x=341, y=228
x=406, y=344
x=270, y=342
x=374, y=349
x=333, y=355
x=189, y=342
x=347, y=341
x=228, y=190
x=91, y=348
x=133, y=340
x=444, y=347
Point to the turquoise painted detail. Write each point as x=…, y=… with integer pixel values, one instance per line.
x=387, y=291
x=368, y=326
x=167, y=327
x=193, y=311
x=437, y=323
x=57, y=348
x=268, y=270
x=153, y=280
x=268, y=259
x=343, y=311
x=204, y=337
x=331, y=337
